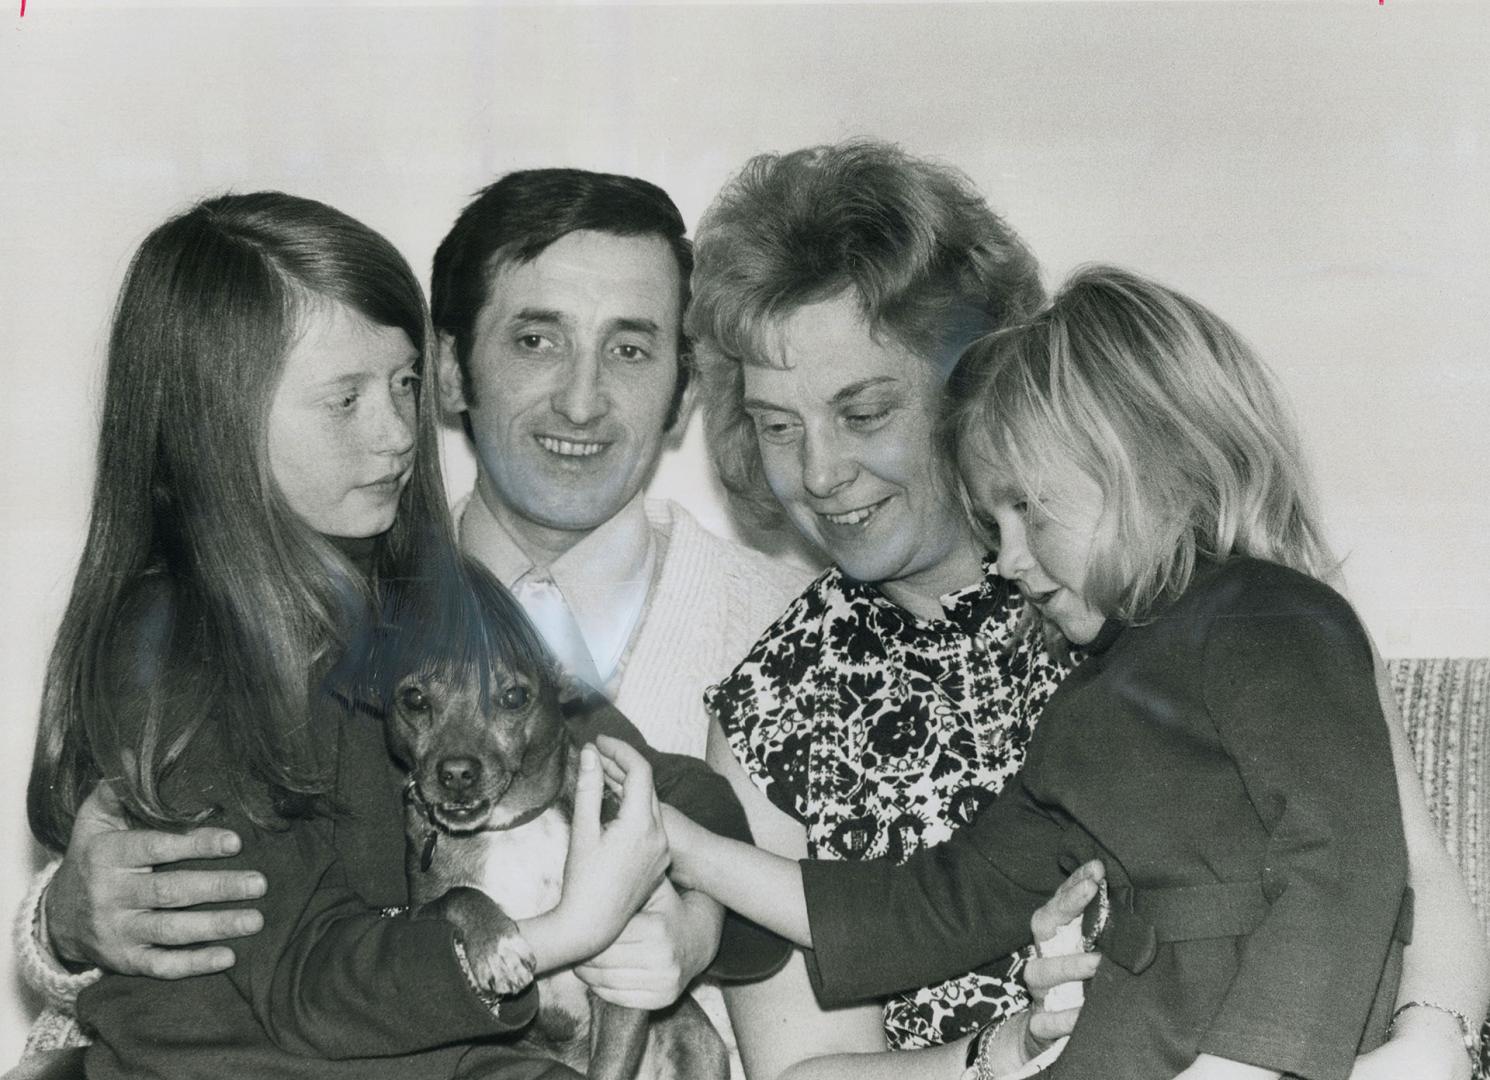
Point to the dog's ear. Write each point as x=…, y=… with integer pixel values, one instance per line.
x=570, y=692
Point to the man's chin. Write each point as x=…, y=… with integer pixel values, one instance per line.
x=561, y=499
x=583, y=511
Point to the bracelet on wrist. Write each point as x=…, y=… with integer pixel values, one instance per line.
x=978, y=1065
x=1466, y=1031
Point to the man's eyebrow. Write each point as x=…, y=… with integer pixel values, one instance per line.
x=540, y=315
x=853, y=390
x=634, y=325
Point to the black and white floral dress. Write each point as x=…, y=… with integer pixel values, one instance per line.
x=882, y=732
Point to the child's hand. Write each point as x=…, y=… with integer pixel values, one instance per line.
x=662, y=949
x=612, y=869
x=617, y=759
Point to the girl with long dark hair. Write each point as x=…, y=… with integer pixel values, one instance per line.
x=264, y=465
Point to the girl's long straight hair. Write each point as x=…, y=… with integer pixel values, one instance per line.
x=183, y=496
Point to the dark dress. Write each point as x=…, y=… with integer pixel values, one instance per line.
x=1229, y=763
x=882, y=732
x=340, y=982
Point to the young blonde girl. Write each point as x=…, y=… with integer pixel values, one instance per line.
x=1221, y=749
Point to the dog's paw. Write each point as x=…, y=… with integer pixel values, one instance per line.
x=497, y=956
x=501, y=958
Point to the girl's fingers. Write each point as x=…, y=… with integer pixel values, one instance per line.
x=620, y=754
x=615, y=776
x=587, y=794
x=637, y=795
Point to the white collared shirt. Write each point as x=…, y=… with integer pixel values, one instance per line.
x=605, y=577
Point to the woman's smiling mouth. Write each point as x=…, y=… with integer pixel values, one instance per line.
x=854, y=517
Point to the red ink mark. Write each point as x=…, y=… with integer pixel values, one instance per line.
x=23, y=9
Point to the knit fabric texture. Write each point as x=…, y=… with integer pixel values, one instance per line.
x=1446, y=710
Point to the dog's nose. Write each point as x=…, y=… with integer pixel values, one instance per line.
x=459, y=775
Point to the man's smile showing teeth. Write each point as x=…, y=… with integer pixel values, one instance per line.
x=855, y=517
x=569, y=448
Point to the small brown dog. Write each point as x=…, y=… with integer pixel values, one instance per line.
x=475, y=716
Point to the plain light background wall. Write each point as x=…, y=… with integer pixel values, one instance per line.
x=1320, y=175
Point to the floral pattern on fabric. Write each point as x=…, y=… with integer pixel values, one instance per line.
x=883, y=732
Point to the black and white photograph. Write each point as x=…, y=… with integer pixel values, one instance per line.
x=746, y=541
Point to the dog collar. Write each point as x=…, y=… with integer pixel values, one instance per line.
x=427, y=852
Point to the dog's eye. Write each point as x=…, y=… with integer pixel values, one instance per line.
x=514, y=697
x=413, y=699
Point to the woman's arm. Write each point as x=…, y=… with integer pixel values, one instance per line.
x=1447, y=961
x=782, y=1031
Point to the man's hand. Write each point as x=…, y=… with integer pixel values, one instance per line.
x=664, y=947
x=109, y=905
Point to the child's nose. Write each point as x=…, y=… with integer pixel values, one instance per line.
x=393, y=431
x=1014, y=559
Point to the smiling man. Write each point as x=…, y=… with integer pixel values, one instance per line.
x=558, y=298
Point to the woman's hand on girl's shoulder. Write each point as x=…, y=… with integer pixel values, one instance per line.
x=111, y=904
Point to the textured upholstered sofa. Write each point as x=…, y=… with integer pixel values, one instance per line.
x=1446, y=708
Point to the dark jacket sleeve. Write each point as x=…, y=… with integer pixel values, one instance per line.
x=1290, y=689
x=878, y=928
x=746, y=951
x=326, y=976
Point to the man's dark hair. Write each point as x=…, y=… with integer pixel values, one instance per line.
x=515, y=219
